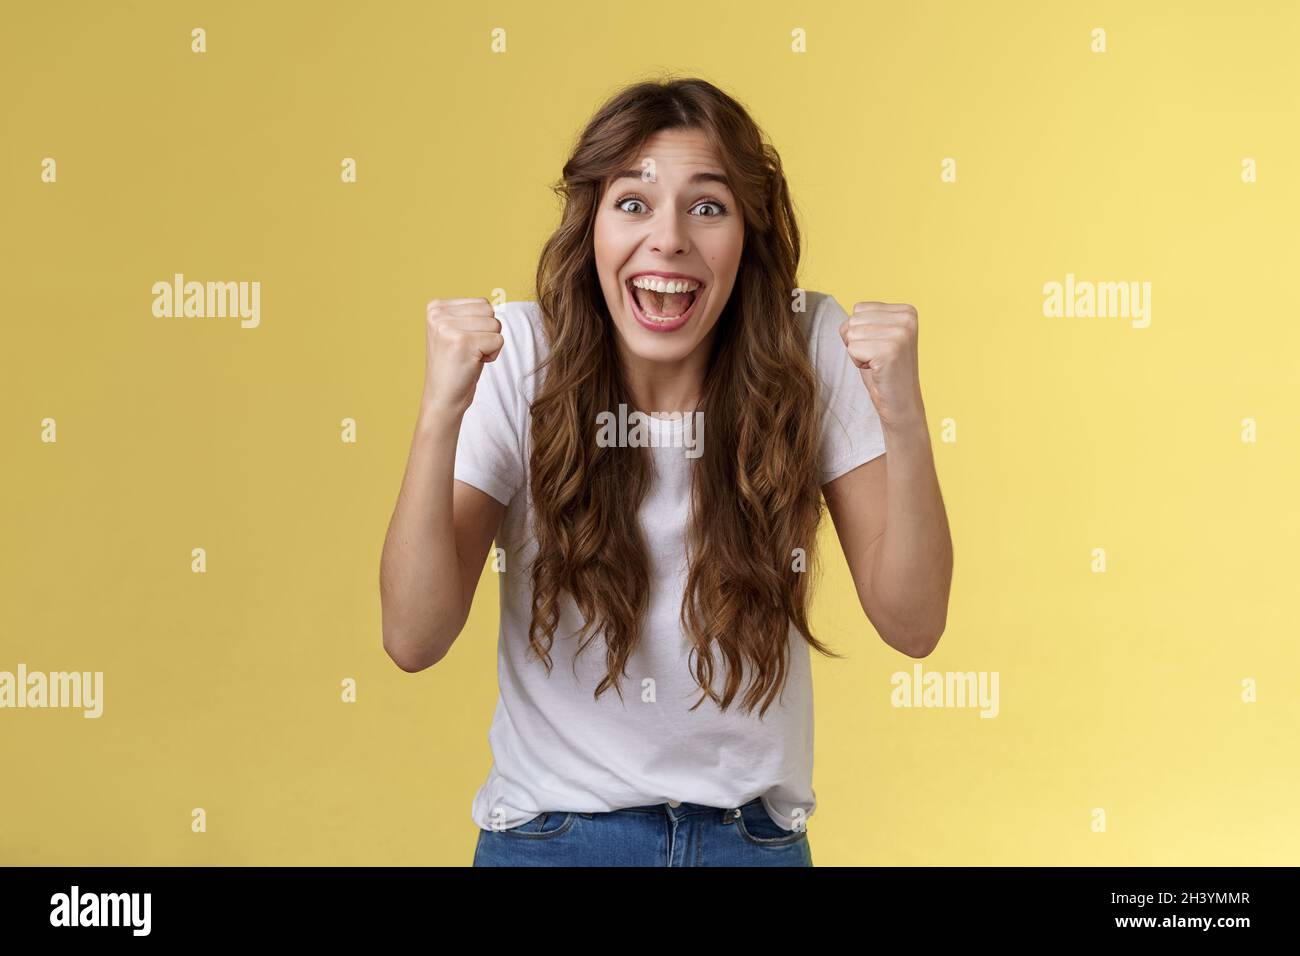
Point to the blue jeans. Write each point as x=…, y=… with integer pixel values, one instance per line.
x=689, y=834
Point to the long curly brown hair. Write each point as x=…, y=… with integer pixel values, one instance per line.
x=757, y=478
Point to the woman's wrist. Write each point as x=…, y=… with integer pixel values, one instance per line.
x=439, y=421
x=911, y=433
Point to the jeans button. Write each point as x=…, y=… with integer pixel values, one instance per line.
x=674, y=803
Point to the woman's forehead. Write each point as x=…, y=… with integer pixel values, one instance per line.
x=683, y=152
x=676, y=158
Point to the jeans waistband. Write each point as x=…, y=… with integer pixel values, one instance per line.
x=682, y=809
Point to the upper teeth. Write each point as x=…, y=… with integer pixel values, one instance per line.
x=665, y=285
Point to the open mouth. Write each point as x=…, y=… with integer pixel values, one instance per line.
x=666, y=310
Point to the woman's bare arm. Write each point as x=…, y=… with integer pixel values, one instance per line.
x=433, y=556
x=893, y=528
x=441, y=528
x=889, y=512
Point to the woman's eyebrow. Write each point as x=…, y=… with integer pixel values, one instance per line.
x=708, y=177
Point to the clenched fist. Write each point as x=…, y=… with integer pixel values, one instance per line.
x=461, y=335
x=881, y=339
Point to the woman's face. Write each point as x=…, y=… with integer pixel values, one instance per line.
x=671, y=220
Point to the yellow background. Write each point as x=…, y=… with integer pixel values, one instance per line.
x=1119, y=691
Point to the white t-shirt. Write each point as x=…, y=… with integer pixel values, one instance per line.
x=555, y=747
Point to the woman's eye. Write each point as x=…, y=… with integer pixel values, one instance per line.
x=636, y=205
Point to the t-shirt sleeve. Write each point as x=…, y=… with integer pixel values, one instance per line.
x=851, y=431
x=490, y=447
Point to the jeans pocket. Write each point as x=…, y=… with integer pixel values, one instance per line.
x=755, y=825
x=544, y=826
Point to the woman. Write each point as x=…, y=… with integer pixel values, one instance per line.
x=638, y=549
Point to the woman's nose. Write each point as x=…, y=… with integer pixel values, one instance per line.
x=668, y=236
